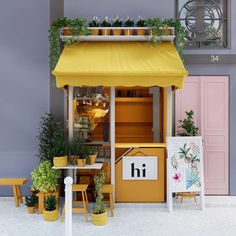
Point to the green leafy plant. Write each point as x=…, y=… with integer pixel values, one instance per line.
x=141, y=22
x=92, y=150
x=95, y=22
x=48, y=125
x=45, y=178
x=187, y=126
x=99, y=207
x=50, y=203
x=83, y=152
x=105, y=22
x=30, y=201
x=77, y=26
x=117, y=22
x=59, y=147
x=129, y=22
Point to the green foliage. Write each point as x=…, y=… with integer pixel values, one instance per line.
x=78, y=27
x=187, y=125
x=99, y=207
x=50, y=203
x=92, y=150
x=156, y=23
x=140, y=22
x=129, y=22
x=59, y=147
x=45, y=178
x=83, y=152
x=117, y=22
x=95, y=22
x=48, y=126
x=30, y=201
x=105, y=23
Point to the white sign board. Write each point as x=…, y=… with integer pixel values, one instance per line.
x=184, y=166
x=140, y=168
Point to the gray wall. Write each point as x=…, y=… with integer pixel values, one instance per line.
x=24, y=90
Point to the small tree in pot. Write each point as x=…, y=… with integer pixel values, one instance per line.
x=92, y=155
x=59, y=148
x=83, y=155
x=30, y=203
x=51, y=212
x=99, y=216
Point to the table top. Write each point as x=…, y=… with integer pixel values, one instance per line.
x=95, y=166
x=140, y=145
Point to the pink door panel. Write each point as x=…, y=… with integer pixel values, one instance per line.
x=207, y=96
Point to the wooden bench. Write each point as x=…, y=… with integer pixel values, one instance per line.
x=15, y=183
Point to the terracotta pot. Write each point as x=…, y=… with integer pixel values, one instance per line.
x=94, y=32
x=67, y=32
x=99, y=219
x=50, y=215
x=81, y=162
x=30, y=209
x=166, y=31
x=92, y=159
x=60, y=161
x=141, y=32
x=116, y=32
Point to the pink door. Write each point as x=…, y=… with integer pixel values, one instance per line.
x=207, y=96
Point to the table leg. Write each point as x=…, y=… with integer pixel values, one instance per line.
x=14, y=188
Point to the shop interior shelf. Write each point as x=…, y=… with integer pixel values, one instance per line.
x=133, y=99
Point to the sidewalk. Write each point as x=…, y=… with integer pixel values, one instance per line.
x=218, y=219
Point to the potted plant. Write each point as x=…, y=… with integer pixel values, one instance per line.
x=45, y=178
x=94, y=23
x=99, y=216
x=117, y=23
x=50, y=212
x=59, y=148
x=92, y=155
x=30, y=203
x=105, y=23
x=129, y=22
x=83, y=155
x=141, y=23
x=187, y=126
x=75, y=146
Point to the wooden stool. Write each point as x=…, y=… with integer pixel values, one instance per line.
x=108, y=188
x=41, y=197
x=79, y=188
x=187, y=195
x=15, y=183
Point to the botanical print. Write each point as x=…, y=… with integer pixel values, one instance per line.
x=185, y=166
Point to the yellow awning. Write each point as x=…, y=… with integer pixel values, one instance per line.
x=120, y=64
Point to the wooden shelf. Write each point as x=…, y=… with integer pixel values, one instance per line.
x=131, y=99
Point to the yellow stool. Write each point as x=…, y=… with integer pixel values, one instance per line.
x=79, y=188
x=187, y=195
x=108, y=188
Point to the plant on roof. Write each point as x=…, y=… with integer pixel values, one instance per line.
x=77, y=26
x=117, y=22
x=105, y=22
x=45, y=178
x=141, y=22
x=187, y=126
x=129, y=22
x=95, y=22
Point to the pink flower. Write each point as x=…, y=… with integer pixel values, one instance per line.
x=177, y=177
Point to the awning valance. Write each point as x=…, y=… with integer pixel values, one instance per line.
x=120, y=64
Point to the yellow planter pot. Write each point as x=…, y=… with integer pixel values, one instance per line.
x=81, y=162
x=99, y=219
x=116, y=32
x=94, y=32
x=141, y=32
x=30, y=210
x=92, y=159
x=60, y=161
x=50, y=215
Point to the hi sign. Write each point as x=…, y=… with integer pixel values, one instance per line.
x=184, y=167
x=140, y=168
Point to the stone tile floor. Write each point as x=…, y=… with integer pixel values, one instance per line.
x=218, y=219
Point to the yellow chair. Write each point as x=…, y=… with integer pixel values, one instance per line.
x=108, y=189
x=79, y=188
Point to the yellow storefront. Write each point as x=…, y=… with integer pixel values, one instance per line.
x=139, y=80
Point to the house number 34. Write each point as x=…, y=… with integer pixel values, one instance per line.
x=214, y=58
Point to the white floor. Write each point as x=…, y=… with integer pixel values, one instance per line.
x=218, y=219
